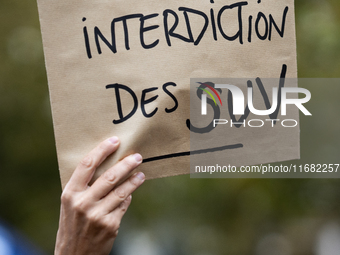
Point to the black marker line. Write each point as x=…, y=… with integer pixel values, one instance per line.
x=188, y=153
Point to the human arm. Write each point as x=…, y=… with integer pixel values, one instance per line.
x=90, y=215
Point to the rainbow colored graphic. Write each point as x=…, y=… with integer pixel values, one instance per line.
x=209, y=93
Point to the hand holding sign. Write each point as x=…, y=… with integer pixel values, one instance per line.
x=90, y=216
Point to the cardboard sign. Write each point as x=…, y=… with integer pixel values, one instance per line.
x=123, y=68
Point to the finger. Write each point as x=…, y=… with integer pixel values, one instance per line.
x=114, y=218
x=87, y=166
x=121, y=209
x=118, y=213
x=113, y=176
x=119, y=194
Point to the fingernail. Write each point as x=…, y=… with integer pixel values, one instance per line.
x=138, y=157
x=114, y=140
x=140, y=176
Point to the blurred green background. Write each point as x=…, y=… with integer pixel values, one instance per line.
x=175, y=215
